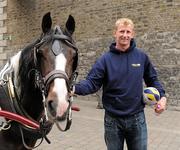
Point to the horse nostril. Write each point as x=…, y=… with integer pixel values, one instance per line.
x=52, y=105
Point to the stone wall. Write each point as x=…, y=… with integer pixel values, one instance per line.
x=3, y=31
x=164, y=50
x=157, y=31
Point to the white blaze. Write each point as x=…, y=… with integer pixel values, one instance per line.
x=60, y=85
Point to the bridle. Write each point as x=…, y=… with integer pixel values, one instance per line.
x=43, y=82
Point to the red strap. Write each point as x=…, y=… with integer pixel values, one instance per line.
x=23, y=120
x=75, y=108
x=19, y=119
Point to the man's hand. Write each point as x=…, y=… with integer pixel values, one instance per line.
x=161, y=105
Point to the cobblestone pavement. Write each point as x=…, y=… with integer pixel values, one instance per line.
x=87, y=130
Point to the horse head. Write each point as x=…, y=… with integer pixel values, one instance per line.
x=54, y=62
x=57, y=60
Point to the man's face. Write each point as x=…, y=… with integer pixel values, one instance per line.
x=123, y=35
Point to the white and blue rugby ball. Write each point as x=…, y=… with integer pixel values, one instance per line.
x=151, y=95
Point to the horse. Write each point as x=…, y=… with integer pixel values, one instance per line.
x=35, y=86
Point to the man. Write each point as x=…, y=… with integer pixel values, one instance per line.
x=120, y=72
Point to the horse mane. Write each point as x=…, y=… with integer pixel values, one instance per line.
x=29, y=92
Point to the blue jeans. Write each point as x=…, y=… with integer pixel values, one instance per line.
x=132, y=129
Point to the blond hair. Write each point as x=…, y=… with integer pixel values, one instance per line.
x=124, y=21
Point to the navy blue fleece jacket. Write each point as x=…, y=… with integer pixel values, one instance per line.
x=121, y=74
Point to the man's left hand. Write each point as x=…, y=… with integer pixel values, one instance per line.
x=161, y=105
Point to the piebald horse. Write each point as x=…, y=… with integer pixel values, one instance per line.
x=35, y=86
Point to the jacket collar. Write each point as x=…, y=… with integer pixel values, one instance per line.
x=113, y=48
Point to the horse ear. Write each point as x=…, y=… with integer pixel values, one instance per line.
x=70, y=24
x=46, y=22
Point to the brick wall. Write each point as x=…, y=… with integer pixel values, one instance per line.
x=157, y=30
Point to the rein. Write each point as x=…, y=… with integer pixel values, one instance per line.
x=20, y=119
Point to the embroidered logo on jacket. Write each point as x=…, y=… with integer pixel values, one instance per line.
x=136, y=65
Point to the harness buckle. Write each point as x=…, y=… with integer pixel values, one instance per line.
x=3, y=82
x=11, y=87
x=4, y=124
